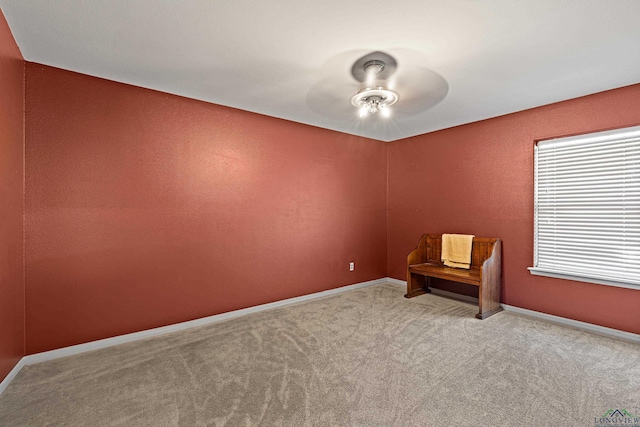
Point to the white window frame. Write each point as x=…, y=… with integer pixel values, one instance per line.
x=550, y=238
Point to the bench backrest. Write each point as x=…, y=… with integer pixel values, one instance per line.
x=481, y=249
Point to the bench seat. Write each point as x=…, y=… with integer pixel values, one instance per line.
x=470, y=277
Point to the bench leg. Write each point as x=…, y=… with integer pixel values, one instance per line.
x=417, y=284
x=486, y=314
x=489, y=297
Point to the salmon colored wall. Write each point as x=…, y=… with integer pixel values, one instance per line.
x=11, y=198
x=478, y=179
x=145, y=209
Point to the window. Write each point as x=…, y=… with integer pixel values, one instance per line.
x=587, y=208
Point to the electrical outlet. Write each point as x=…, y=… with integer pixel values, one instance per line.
x=352, y=266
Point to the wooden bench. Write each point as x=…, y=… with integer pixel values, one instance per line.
x=424, y=263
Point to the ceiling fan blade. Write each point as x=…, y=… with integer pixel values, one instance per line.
x=331, y=97
x=419, y=89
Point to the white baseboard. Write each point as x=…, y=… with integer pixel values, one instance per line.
x=440, y=292
x=11, y=375
x=121, y=339
x=452, y=295
x=602, y=330
x=396, y=281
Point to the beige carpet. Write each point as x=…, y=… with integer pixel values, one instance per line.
x=363, y=358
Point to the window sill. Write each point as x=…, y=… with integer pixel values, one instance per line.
x=583, y=278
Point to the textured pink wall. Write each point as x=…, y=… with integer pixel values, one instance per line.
x=145, y=209
x=11, y=197
x=478, y=179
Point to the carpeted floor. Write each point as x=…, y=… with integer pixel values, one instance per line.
x=363, y=358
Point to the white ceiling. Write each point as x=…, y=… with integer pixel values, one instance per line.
x=280, y=58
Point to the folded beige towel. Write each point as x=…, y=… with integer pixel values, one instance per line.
x=456, y=250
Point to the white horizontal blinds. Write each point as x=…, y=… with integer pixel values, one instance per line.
x=588, y=206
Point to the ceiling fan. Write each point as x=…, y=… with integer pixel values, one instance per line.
x=377, y=85
x=373, y=96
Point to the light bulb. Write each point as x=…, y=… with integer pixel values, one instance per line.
x=371, y=100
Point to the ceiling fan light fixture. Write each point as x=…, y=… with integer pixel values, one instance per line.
x=375, y=99
x=373, y=96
